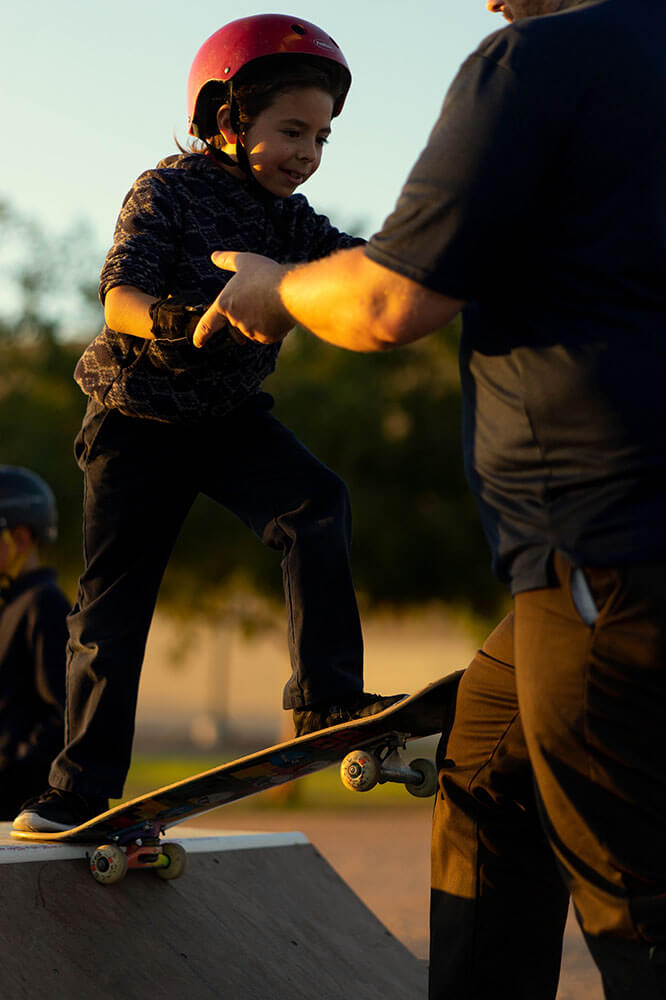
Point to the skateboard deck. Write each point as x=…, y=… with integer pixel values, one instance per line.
x=147, y=817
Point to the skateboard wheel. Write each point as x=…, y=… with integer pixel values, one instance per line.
x=108, y=864
x=359, y=771
x=428, y=785
x=177, y=861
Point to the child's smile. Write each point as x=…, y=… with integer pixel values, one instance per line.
x=285, y=143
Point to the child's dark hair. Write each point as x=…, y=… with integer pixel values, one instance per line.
x=256, y=85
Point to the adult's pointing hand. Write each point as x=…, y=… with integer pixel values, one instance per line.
x=250, y=301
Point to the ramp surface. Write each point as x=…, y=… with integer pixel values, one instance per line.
x=255, y=917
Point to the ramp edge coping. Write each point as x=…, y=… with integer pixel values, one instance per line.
x=23, y=851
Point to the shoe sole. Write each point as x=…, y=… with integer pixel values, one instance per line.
x=31, y=822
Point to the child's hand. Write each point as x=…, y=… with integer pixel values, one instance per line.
x=250, y=301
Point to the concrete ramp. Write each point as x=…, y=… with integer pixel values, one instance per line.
x=255, y=917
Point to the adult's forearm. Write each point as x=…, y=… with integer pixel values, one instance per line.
x=352, y=302
x=347, y=300
x=341, y=300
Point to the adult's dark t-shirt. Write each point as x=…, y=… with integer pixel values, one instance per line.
x=540, y=200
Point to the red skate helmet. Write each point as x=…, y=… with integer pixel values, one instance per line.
x=240, y=42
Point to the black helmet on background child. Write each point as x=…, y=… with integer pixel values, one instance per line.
x=26, y=499
x=240, y=42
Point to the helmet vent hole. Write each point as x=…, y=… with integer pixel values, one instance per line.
x=299, y=29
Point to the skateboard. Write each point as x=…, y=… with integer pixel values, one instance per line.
x=369, y=749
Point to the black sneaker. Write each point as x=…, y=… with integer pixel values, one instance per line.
x=56, y=810
x=351, y=706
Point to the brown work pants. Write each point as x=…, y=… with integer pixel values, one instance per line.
x=553, y=783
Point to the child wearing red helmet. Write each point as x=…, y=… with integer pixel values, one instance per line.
x=166, y=421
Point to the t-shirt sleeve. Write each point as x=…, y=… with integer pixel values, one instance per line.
x=145, y=238
x=466, y=205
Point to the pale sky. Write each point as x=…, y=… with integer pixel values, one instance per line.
x=92, y=94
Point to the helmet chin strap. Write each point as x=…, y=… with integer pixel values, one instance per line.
x=242, y=160
x=219, y=154
x=241, y=152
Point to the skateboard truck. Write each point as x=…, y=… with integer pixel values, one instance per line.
x=361, y=770
x=110, y=862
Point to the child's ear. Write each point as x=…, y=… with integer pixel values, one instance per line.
x=224, y=124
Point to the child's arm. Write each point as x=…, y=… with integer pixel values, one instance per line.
x=133, y=284
x=126, y=310
x=129, y=310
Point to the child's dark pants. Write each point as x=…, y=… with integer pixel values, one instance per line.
x=140, y=479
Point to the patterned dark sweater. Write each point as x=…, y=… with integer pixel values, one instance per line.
x=171, y=221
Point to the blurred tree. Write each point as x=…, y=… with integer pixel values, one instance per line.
x=46, y=298
x=49, y=286
x=40, y=413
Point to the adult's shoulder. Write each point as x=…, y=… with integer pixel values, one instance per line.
x=568, y=44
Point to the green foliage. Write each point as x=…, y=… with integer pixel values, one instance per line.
x=40, y=414
x=49, y=286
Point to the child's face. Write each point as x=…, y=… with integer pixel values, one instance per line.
x=16, y=546
x=5, y=550
x=285, y=143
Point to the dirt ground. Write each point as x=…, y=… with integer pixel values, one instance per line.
x=384, y=856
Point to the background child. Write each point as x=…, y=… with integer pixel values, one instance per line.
x=33, y=634
x=166, y=421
